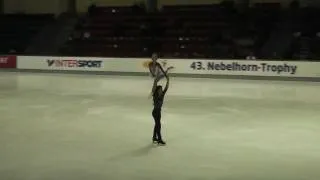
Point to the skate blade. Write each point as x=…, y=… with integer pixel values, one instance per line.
x=159, y=144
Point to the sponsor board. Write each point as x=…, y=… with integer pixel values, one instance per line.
x=60, y=63
x=181, y=66
x=81, y=64
x=237, y=67
x=244, y=67
x=8, y=61
x=74, y=63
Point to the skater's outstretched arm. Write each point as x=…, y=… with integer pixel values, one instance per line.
x=161, y=69
x=169, y=68
x=167, y=84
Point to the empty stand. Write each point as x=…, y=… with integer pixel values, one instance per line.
x=18, y=29
x=306, y=40
x=189, y=31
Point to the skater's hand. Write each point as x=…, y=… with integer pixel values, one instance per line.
x=169, y=68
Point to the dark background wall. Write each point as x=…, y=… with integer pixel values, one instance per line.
x=58, y=6
x=1, y=6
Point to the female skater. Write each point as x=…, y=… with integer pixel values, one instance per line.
x=158, y=97
x=156, y=69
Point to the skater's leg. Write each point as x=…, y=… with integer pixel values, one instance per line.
x=154, y=137
x=158, y=128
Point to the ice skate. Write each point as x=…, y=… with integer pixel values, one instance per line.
x=154, y=140
x=161, y=143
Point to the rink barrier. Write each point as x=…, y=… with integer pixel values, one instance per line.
x=195, y=68
x=172, y=75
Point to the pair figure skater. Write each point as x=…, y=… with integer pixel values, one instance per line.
x=158, y=94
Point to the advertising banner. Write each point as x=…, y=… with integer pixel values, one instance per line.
x=244, y=67
x=60, y=63
x=8, y=61
x=181, y=66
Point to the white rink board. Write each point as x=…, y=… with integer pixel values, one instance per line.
x=181, y=66
x=246, y=68
x=100, y=64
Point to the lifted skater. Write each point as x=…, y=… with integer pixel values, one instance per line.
x=156, y=70
x=158, y=96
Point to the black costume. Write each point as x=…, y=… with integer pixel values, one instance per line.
x=156, y=113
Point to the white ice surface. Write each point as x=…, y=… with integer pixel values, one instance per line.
x=78, y=127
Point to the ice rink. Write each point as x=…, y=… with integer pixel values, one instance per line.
x=86, y=127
